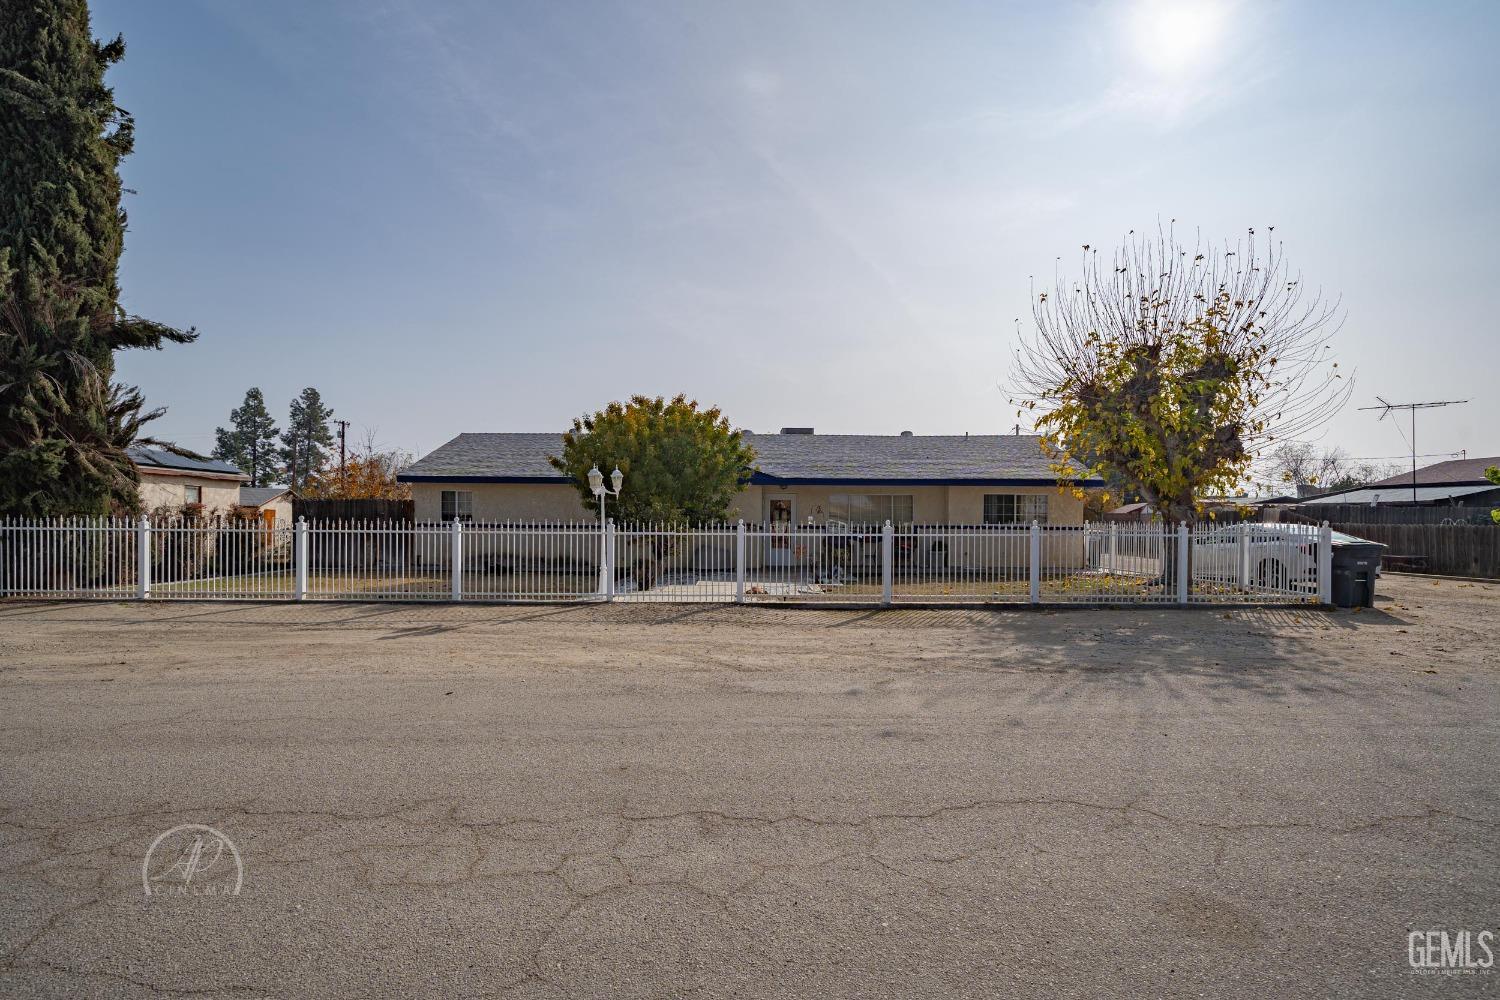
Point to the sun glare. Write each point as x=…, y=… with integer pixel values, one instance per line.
x=1176, y=36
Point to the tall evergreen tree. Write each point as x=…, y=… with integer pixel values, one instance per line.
x=64, y=423
x=250, y=440
x=307, y=439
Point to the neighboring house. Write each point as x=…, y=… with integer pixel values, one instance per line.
x=1457, y=483
x=170, y=481
x=273, y=502
x=799, y=478
x=1225, y=509
x=1138, y=513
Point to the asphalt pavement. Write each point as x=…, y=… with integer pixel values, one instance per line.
x=406, y=801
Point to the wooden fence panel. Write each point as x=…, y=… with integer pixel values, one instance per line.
x=1449, y=549
x=1336, y=513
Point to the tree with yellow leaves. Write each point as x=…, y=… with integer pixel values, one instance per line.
x=1168, y=368
x=367, y=476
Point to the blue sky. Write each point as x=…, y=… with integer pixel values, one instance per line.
x=465, y=216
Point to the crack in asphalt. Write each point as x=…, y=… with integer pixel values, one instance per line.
x=565, y=868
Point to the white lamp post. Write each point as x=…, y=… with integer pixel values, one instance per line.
x=596, y=483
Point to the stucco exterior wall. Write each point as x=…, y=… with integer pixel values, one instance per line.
x=931, y=505
x=170, y=490
x=504, y=501
x=282, y=509
x=557, y=502
x=966, y=503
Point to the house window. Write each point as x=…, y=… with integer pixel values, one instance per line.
x=1015, y=508
x=459, y=504
x=192, y=494
x=847, y=509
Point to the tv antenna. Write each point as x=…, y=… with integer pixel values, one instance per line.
x=1385, y=411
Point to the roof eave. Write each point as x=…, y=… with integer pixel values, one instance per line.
x=167, y=470
x=766, y=479
x=422, y=477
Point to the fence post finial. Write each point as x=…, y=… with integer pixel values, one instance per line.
x=143, y=557
x=1325, y=564
x=1183, y=565
x=456, y=581
x=299, y=559
x=1034, y=563
x=887, y=559
x=739, y=562
x=609, y=561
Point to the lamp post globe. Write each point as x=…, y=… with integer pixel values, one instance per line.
x=617, y=478
x=596, y=480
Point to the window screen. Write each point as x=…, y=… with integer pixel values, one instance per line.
x=459, y=504
x=869, y=509
x=1014, y=508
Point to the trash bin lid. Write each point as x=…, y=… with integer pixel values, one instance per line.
x=1340, y=538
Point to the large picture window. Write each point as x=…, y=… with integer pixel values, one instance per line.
x=850, y=509
x=1015, y=508
x=459, y=504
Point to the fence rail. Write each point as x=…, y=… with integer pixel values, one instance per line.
x=1109, y=563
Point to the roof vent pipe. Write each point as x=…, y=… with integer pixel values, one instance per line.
x=906, y=434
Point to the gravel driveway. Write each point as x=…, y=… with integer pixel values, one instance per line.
x=683, y=801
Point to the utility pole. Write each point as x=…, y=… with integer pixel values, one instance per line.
x=1385, y=411
x=343, y=479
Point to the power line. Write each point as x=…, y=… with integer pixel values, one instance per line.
x=1385, y=411
x=1461, y=453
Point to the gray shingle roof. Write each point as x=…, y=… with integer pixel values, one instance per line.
x=160, y=458
x=807, y=458
x=1399, y=493
x=254, y=496
x=1461, y=470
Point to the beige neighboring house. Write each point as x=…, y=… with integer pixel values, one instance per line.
x=273, y=502
x=171, y=481
x=799, y=477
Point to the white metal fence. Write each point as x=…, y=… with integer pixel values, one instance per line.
x=465, y=561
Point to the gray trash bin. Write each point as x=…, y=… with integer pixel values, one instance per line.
x=1356, y=563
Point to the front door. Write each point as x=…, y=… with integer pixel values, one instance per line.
x=781, y=520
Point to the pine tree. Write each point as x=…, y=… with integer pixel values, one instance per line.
x=307, y=439
x=64, y=423
x=250, y=441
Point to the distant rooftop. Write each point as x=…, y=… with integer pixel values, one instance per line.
x=254, y=496
x=160, y=458
x=1401, y=493
x=1460, y=470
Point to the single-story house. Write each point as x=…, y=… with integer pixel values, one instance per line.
x=836, y=484
x=274, y=503
x=170, y=481
x=799, y=477
x=1456, y=483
